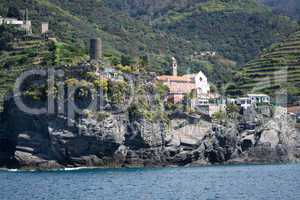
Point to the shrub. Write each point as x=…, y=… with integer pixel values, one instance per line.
x=126, y=60
x=100, y=116
x=117, y=91
x=219, y=116
x=102, y=84
x=161, y=89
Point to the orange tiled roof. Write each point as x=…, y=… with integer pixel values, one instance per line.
x=191, y=76
x=174, y=78
x=181, y=88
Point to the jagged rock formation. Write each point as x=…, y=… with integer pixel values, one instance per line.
x=48, y=142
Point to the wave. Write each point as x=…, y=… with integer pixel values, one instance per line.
x=17, y=170
x=74, y=169
x=49, y=170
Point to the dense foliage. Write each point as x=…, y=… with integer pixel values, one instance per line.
x=157, y=29
x=142, y=34
x=289, y=8
x=277, y=68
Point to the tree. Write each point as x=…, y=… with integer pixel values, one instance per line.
x=143, y=61
x=232, y=111
x=115, y=61
x=126, y=60
x=117, y=91
x=219, y=116
x=14, y=12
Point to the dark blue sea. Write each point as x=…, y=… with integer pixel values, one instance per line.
x=255, y=182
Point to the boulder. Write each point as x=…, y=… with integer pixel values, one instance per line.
x=270, y=137
x=121, y=154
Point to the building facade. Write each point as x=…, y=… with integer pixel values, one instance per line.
x=259, y=98
x=26, y=25
x=179, y=86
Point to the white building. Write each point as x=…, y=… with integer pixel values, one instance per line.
x=244, y=102
x=26, y=25
x=12, y=21
x=201, y=83
x=179, y=86
x=45, y=27
x=260, y=98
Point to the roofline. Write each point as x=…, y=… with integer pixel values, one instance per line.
x=264, y=95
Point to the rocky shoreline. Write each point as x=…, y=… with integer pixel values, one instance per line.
x=47, y=142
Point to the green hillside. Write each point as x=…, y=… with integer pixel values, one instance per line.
x=237, y=29
x=75, y=22
x=137, y=29
x=289, y=8
x=267, y=73
x=20, y=52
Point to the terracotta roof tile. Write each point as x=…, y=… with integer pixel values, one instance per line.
x=174, y=78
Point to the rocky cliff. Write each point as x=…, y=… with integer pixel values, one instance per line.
x=47, y=141
x=146, y=132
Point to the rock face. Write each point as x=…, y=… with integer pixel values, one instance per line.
x=44, y=141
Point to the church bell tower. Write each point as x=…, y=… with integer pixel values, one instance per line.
x=174, y=66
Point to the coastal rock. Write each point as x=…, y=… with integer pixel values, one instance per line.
x=34, y=161
x=145, y=134
x=53, y=141
x=269, y=137
x=247, y=141
x=121, y=154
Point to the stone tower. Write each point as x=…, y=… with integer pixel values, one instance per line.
x=174, y=66
x=95, y=49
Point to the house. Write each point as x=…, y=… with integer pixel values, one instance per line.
x=26, y=25
x=12, y=21
x=210, y=104
x=260, y=98
x=201, y=82
x=110, y=73
x=44, y=27
x=245, y=102
x=203, y=54
x=179, y=86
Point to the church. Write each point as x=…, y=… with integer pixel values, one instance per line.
x=179, y=86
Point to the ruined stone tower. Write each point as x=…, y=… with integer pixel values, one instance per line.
x=95, y=49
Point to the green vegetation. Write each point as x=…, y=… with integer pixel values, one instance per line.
x=219, y=117
x=231, y=6
x=100, y=116
x=20, y=52
x=143, y=35
x=68, y=54
x=117, y=92
x=101, y=83
x=278, y=67
x=236, y=29
x=285, y=7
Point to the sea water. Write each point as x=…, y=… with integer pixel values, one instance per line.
x=253, y=182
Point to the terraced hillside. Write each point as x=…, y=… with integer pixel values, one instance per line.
x=31, y=52
x=278, y=67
